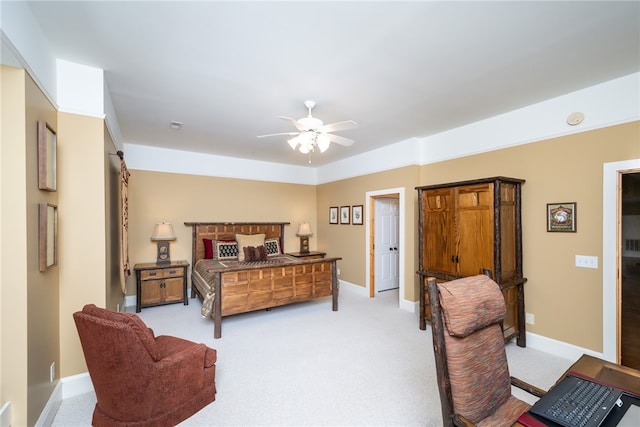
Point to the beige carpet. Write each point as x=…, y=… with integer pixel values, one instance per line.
x=304, y=365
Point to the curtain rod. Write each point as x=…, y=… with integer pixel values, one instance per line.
x=119, y=154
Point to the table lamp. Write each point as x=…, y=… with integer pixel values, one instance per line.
x=304, y=231
x=163, y=233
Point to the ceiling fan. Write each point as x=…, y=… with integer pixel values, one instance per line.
x=313, y=134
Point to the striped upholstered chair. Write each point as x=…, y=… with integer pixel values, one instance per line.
x=471, y=362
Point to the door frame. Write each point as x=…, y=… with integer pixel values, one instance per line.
x=611, y=219
x=369, y=236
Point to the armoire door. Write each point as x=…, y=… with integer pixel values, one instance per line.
x=474, y=229
x=438, y=218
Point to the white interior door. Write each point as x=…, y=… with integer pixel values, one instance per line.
x=386, y=244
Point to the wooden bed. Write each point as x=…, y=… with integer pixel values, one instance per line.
x=229, y=287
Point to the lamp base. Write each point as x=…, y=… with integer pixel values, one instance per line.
x=304, y=244
x=163, y=253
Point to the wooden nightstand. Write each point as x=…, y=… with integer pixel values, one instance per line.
x=308, y=255
x=159, y=284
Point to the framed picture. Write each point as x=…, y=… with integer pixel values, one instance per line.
x=47, y=142
x=47, y=235
x=561, y=217
x=344, y=214
x=356, y=215
x=333, y=215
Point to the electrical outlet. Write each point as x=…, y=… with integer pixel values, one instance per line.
x=530, y=318
x=338, y=272
x=585, y=261
x=52, y=372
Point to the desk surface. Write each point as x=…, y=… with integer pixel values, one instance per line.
x=612, y=374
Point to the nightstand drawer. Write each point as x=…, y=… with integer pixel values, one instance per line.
x=161, y=273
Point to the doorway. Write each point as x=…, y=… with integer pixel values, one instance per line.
x=385, y=243
x=630, y=271
x=370, y=232
x=611, y=255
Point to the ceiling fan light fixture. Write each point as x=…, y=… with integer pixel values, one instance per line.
x=323, y=142
x=293, y=142
x=305, y=148
x=313, y=135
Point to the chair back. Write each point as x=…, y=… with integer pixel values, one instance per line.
x=120, y=352
x=471, y=362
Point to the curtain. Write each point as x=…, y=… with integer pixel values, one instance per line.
x=125, y=267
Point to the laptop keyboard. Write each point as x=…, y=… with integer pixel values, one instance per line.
x=585, y=404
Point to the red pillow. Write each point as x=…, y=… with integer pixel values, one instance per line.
x=208, y=248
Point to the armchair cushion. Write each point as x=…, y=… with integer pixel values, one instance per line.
x=470, y=304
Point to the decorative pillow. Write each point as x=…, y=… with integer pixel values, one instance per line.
x=208, y=248
x=470, y=304
x=273, y=246
x=225, y=249
x=253, y=254
x=245, y=240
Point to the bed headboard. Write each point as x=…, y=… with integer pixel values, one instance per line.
x=228, y=231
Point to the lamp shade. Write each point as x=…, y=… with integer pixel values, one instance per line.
x=304, y=229
x=163, y=232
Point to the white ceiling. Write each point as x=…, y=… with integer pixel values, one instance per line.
x=399, y=69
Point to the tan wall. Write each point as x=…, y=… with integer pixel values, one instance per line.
x=13, y=228
x=29, y=297
x=43, y=287
x=82, y=219
x=349, y=241
x=176, y=198
x=114, y=298
x=567, y=169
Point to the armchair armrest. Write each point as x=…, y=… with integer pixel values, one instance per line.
x=531, y=389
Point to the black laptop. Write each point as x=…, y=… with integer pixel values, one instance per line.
x=577, y=402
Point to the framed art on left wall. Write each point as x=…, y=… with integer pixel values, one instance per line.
x=47, y=235
x=47, y=147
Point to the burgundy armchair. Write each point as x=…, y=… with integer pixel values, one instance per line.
x=140, y=379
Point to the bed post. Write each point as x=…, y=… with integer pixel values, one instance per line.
x=335, y=285
x=217, y=304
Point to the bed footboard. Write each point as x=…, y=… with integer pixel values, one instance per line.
x=249, y=290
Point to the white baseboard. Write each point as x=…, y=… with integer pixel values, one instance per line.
x=5, y=415
x=76, y=385
x=130, y=301
x=65, y=388
x=352, y=287
x=558, y=348
x=48, y=414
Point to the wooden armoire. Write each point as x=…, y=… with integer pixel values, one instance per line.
x=468, y=227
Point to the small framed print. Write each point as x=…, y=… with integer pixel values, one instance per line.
x=356, y=215
x=333, y=215
x=561, y=217
x=47, y=143
x=344, y=215
x=47, y=236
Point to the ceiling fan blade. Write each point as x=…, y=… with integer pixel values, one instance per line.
x=341, y=140
x=294, y=122
x=278, y=134
x=333, y=127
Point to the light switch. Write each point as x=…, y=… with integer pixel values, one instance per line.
x=585, y=261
